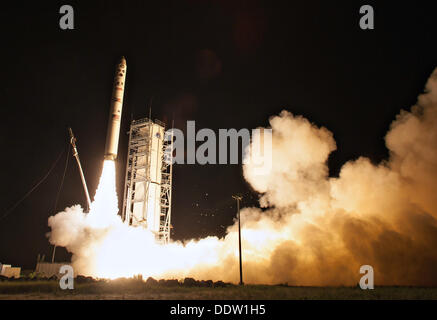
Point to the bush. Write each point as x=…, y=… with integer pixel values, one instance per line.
x=3, y=278
x=151, y=282
x=219, y=284
x=190, y=282
x=207, y=283
x=83, y=279
x=169, y=283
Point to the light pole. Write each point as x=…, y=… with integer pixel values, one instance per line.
x=239, y=198
x=54, y=251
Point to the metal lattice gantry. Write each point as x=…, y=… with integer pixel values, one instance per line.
x=148, y=180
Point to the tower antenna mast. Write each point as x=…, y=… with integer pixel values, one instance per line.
x=82, y=177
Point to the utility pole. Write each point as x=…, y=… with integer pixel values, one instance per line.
x=239, y=198
x=53, y=255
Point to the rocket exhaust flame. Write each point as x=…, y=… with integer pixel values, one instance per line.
x=316, y=230
x=104, y=208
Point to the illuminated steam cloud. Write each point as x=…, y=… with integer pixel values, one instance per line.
x=313, y=230
x=383, y=215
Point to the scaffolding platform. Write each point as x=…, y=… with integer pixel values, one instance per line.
x=148, y=180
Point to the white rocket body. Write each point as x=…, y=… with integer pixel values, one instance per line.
x=113, y=133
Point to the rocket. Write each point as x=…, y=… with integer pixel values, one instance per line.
x=113, y=132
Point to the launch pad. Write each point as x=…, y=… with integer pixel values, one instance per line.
x=148, y=181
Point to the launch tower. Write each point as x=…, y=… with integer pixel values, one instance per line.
x=148, y=181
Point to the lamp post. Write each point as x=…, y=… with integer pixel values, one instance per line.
x=239, y=198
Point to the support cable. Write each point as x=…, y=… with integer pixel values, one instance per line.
x=11, y=209
x=62, y=181
x=58, y=194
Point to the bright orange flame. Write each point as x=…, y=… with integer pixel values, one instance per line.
x=104, y=208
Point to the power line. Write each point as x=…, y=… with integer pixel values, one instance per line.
x=33, y=188
x=57, y=196
x=62, y=181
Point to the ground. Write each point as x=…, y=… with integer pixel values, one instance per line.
x=134, y=289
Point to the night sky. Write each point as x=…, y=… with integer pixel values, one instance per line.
x=224, y=64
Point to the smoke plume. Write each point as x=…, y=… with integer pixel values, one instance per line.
x=312, y=229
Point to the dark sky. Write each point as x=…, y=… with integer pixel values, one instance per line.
x=224, y=64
